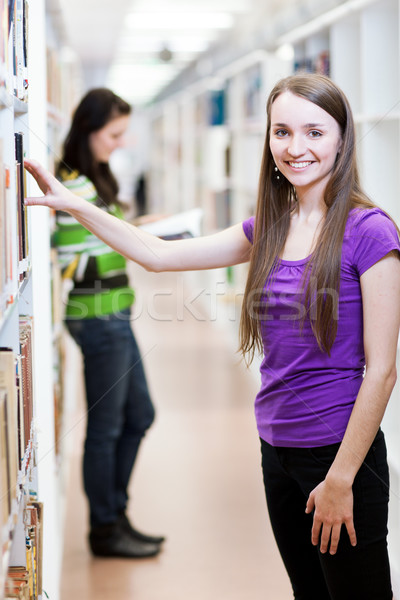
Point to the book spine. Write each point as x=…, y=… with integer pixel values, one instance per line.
x=21, y=208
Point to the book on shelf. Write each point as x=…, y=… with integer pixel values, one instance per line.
x=20, y=410
x=22, y=219
x=17, y=583
x=8, y=431
x=2, y=228
x=228, y=159
x=9, y=261
x=25, y=21
x=253, y=101
x=34, y=530
x=6, y=234
x=19, y=26
x=17, y=403
x=216, y=109
x=4, y=469
x=58, y=353
x=58, y=345
x=25, y=581
x=13, y=47
x=322, y=63
x=16, y=411
x=223, y=209
x=318, y=64
x=8, y=67
x=10, y=5
x=25, y=375
x=3, y=40
x=6, y=231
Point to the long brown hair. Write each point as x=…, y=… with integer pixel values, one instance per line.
x=275, y=205
x=97, y=108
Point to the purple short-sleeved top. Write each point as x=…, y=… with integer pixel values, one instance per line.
x=306, y=396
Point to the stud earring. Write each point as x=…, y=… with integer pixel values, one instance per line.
x=278, y=178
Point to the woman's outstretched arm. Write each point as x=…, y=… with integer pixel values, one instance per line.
x=222, y=249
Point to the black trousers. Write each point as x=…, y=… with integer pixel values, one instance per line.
x=353, y=573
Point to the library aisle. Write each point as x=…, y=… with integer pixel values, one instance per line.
x=198, y=478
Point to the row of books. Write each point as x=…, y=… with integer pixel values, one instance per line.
x=16, y=414
x=13, y=47
x=215, y=106
x=254, y=102
x=319, y=64
x=25, y=581
x=13, y=220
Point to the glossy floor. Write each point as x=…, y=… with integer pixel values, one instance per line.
x=198, y=478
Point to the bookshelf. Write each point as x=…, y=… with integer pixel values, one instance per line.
x=31, y=482
x=21, y=512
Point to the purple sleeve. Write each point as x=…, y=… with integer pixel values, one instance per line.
x=374, y=236
x=248, y=228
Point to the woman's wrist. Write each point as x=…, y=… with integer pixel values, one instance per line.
x=339, y=478
x=75, y=205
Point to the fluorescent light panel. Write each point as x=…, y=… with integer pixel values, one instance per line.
x=187, y=28
x=144, y=72
x=178, y=20
x=180, y=60
x=152, y=43
x=231, y=6
x=139, y=83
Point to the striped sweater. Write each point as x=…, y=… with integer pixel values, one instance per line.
x=98, y=273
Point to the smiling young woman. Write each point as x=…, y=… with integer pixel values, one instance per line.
x=305, y=145
x=322, y=302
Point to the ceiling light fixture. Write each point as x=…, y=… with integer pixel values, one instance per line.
x=165, y=54
x=179, y=20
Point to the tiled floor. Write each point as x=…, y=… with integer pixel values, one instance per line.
x=198, y=478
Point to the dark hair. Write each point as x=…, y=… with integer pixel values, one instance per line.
x=95, y=110
x=275, y=205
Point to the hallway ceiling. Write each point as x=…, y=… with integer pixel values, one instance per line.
x=137, y=47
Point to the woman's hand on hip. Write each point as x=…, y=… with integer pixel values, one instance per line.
x=333, y=507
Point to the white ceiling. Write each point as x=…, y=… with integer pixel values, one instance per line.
x=121, y=43
x=138, y=47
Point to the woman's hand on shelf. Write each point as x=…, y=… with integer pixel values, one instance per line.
x=55, y=194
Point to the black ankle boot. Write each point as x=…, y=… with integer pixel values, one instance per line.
x=112, y=540
x=126, y=526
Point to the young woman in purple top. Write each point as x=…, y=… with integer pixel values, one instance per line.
x=322, y=302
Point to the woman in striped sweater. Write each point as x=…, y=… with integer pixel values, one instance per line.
x=98, y=318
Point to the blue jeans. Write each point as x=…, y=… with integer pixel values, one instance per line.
x=353, y=573
x=119, y=410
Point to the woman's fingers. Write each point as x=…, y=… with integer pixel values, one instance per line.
x=41, y=201
x=352, y=532
x=55, y=194
x=43, y=178
x=316, y=531
x=332, y=510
